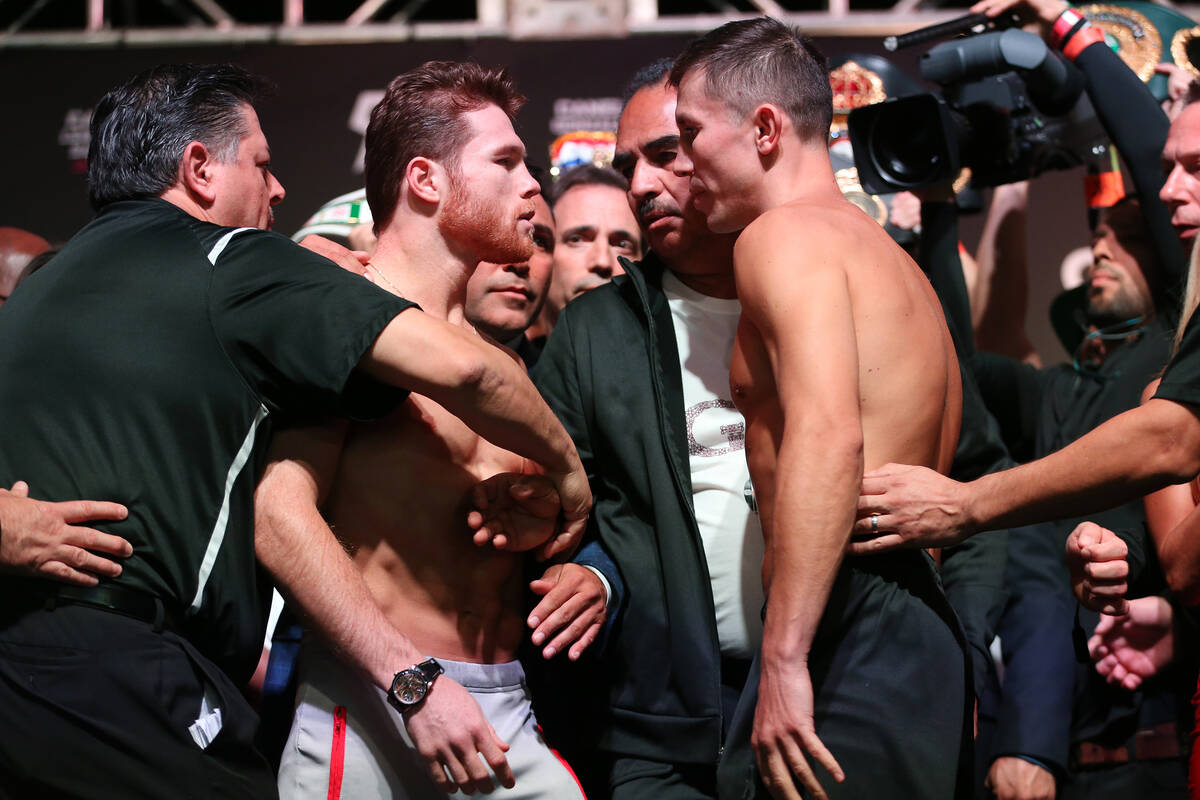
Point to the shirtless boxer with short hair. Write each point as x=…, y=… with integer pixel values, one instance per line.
x=449, y=188
x=842, y=360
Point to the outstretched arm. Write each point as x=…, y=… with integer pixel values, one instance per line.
x=1139, y=451
x=295, y=544
x=807, y=328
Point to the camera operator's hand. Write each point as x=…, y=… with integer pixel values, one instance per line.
x=1179, y=81
x=1044, y=11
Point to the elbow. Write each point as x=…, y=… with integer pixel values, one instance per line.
x=838, y=440
x=1175, y=434
x=1181, y=577
x=1177, y=580
x=470, y=370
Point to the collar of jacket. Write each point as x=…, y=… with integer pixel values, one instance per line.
x=644, y=282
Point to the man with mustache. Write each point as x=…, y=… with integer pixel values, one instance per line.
x=595, y=228
x=638, y=372
x=448, y=187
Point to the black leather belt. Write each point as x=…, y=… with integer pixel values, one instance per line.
x=1149, y=744
x=33, y=593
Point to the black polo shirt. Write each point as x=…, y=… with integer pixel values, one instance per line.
x=147, y=363
x=1181, y=379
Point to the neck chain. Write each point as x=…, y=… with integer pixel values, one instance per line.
x=391, y=285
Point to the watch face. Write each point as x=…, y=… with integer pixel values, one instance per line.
x=410, y=687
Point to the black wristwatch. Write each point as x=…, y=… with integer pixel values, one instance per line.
x=410, y=686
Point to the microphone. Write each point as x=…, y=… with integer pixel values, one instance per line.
x=950, y=27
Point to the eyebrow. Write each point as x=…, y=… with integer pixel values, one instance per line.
x=663, y=142
x=580, y=229
x=631, y=237
x=517, y=150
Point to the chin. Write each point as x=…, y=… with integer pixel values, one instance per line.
x=720, y=224
x=515, y=251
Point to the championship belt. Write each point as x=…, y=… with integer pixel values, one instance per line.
x=1138, y=42
x=852, y=190
x=1185, y=49
x=854, y=86
x=1143, y=34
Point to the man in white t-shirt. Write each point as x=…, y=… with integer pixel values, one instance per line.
x=639, y=373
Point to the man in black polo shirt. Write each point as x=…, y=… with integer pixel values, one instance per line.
x=155, y=354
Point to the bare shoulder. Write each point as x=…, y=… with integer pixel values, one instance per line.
x=807, y=235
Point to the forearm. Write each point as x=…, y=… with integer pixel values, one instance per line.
x=1137, y=452
x=294, y=543
x=817, y=484
x=1002, y=293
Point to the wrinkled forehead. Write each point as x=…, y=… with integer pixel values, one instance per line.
x=1184, y=135
x=596, y=205
x=649, y=115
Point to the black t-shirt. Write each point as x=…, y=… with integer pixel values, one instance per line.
x=146, y=365
x=1181, y=380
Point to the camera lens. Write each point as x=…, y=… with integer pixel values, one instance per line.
x=906, y=148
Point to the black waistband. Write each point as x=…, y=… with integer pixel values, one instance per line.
x=31, y=594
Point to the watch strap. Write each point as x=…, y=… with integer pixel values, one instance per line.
x=430, y=668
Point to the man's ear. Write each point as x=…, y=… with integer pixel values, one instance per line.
x=196, y=172
x=426, y=180
x=768, y=127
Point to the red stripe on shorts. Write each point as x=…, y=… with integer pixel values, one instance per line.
x=566, y=766
x=337, y=754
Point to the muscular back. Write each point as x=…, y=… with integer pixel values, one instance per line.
x=841, y=333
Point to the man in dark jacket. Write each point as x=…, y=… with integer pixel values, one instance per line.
x=668, y=471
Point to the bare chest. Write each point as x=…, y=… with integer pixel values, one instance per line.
x=751, y=383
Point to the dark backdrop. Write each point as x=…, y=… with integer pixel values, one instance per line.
x=315, y=119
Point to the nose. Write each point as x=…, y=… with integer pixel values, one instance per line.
x=604, y=262
x=1171, y=192
x=642, y=183
x=682, y=165
x=520, y=270
x=276, y=190
x=530, y=186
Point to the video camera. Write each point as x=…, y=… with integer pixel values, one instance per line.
x=1009, y=109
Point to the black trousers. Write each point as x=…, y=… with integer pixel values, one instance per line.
x=891, y=680
x=94, y=704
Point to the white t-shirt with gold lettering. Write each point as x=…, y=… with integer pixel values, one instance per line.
x=705, y=328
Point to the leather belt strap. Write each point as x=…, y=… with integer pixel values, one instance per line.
x=129, y=602
x=1149, y=744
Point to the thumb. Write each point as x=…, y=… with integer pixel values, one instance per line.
x=1105, y=625
x=20, y=489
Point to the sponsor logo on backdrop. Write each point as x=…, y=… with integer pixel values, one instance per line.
x=585, y=114
x=360, y=115
x=75, y=137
